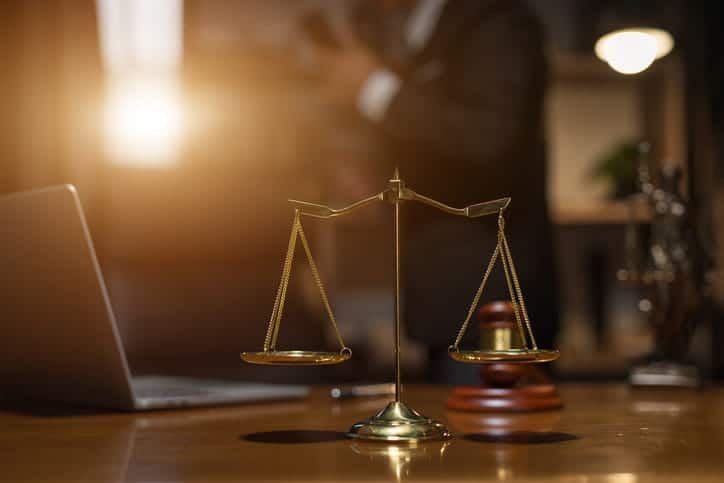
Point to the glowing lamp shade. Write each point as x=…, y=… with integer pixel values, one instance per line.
x=631, y=51
x=144, y=121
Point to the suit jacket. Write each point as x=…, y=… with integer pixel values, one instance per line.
x=467, y=126
x=467, y=122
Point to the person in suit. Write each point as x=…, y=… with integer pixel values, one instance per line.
x=454, y=90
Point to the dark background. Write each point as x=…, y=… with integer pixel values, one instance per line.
x=192, y=253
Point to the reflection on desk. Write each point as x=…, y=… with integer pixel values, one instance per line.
x=605, y=433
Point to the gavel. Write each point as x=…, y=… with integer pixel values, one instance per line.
x=506, y=387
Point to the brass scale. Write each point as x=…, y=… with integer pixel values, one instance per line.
x=397, y=421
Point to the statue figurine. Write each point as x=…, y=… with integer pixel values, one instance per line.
x=671, y=265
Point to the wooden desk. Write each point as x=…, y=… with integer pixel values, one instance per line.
x=606, y=433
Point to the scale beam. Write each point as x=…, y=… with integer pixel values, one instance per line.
x=472, y=211
x=324, y=211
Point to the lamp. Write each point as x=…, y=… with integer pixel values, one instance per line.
x=630, y=35
x=633, y=50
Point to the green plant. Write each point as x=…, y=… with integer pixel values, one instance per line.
x=619, y=165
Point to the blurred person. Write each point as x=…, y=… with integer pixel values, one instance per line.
x=454, y=92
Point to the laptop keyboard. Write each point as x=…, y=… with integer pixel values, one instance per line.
x=170, y=387
x=169, y=392
x=164, y=391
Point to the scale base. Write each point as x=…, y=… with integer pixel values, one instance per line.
x=398, y=422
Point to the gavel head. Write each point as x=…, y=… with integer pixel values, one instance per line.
x=498, y=329
x=498, y=332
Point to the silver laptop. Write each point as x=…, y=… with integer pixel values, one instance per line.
x=58, y=335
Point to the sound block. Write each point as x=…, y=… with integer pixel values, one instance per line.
x=538, y=397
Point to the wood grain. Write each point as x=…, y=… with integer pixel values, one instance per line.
x=606, y=433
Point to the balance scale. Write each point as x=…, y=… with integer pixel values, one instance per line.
x=397, y=421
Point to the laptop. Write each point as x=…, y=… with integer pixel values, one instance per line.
x=58, y=335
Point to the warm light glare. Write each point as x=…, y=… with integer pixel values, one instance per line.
x=632, y=51
x=140, y=35
x=142, y=47
x=144, y=122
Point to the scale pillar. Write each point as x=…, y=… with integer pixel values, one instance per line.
x=396, y=186
x=397, y=421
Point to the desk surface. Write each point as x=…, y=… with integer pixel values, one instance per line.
x=605, y=433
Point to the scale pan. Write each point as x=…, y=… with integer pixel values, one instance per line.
x=296, y=358
x=510, y=355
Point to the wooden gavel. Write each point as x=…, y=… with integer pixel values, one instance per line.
x=506, y=387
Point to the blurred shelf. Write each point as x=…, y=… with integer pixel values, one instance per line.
x=604, y=213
